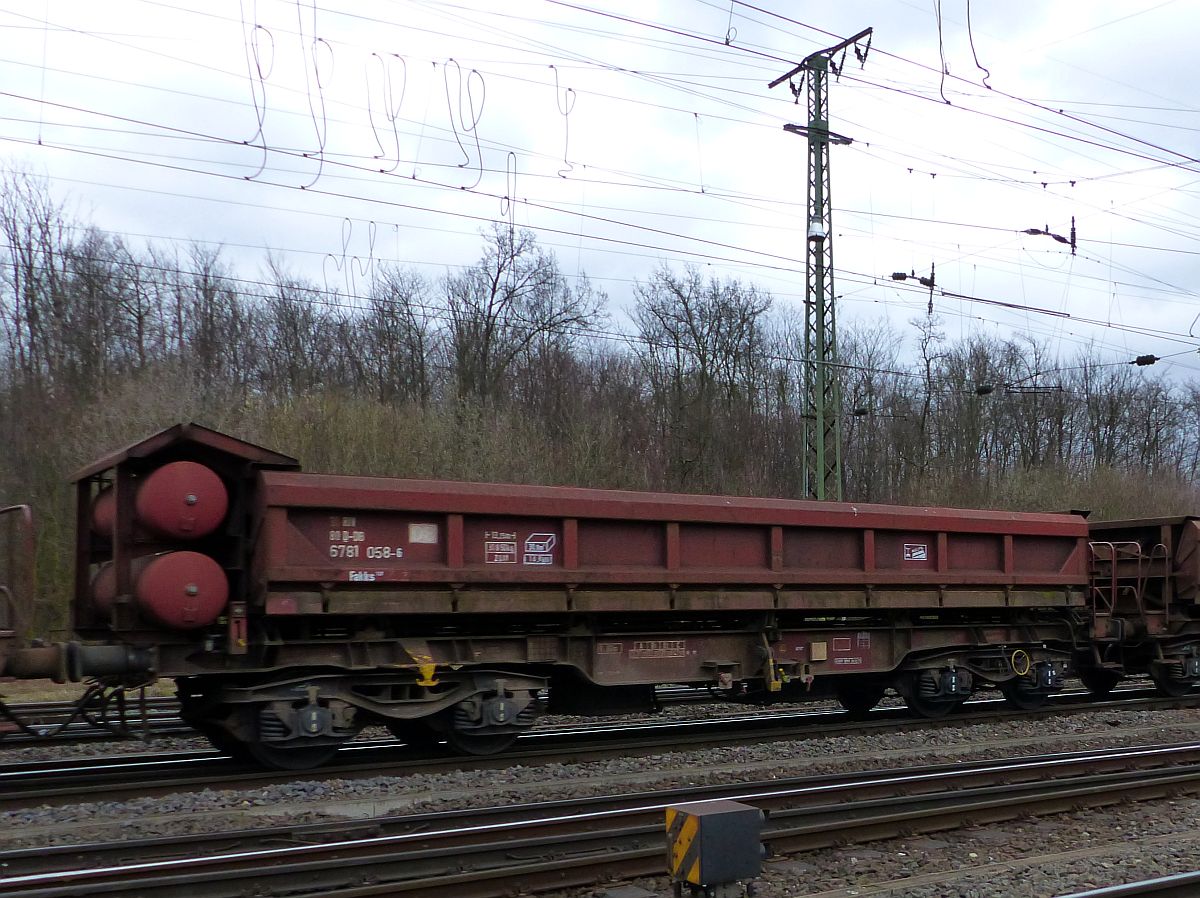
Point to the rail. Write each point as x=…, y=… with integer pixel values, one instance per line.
x=1180, y=885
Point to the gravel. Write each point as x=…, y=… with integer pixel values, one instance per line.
x=1045, y=856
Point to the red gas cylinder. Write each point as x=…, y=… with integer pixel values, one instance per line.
x=180, y=500
x=104, y=587
x=104, y=512
x=177, y=590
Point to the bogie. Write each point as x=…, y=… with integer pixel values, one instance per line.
x=935, y=692
x=1172, y=678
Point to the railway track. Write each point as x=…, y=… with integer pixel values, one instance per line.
x=63, y=722
x=571, y=844
x=124, y=777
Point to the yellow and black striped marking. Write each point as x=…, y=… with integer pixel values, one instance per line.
x=683, y=848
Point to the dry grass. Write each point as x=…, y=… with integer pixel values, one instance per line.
x=48, y=691
x=39, y=690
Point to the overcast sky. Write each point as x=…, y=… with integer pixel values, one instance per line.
x=342, y=136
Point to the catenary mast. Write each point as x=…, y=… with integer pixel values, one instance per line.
x=822, y=414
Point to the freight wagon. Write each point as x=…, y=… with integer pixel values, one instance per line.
x=293, y=609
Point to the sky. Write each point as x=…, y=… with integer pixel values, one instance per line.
x=337, y=138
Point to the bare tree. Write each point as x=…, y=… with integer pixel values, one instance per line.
x=35, y=230
x=213, y=327
x=929, y=339
x=703, y=349
x=396, y=339
x=880, y=422
x=514, y=296
x=298, y=352
x=1108, y=394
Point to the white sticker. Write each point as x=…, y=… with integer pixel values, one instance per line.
x=539, y=548
x=426, y=534
x=499, y=552
x=916, y=552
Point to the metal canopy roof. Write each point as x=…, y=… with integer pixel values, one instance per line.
x=195, y=434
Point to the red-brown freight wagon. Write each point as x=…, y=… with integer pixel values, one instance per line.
x=1145, y=602
x=295, y=608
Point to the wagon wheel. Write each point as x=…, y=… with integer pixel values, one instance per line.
x=480, y=743
x=1099, y=681
x=1167, y=685
x=285, y=757
x=930, y=707
x=859, y=698
x=1019, y=695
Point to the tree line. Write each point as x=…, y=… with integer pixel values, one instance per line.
x=510, y=369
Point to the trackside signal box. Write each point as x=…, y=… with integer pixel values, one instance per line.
x=711, y=845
